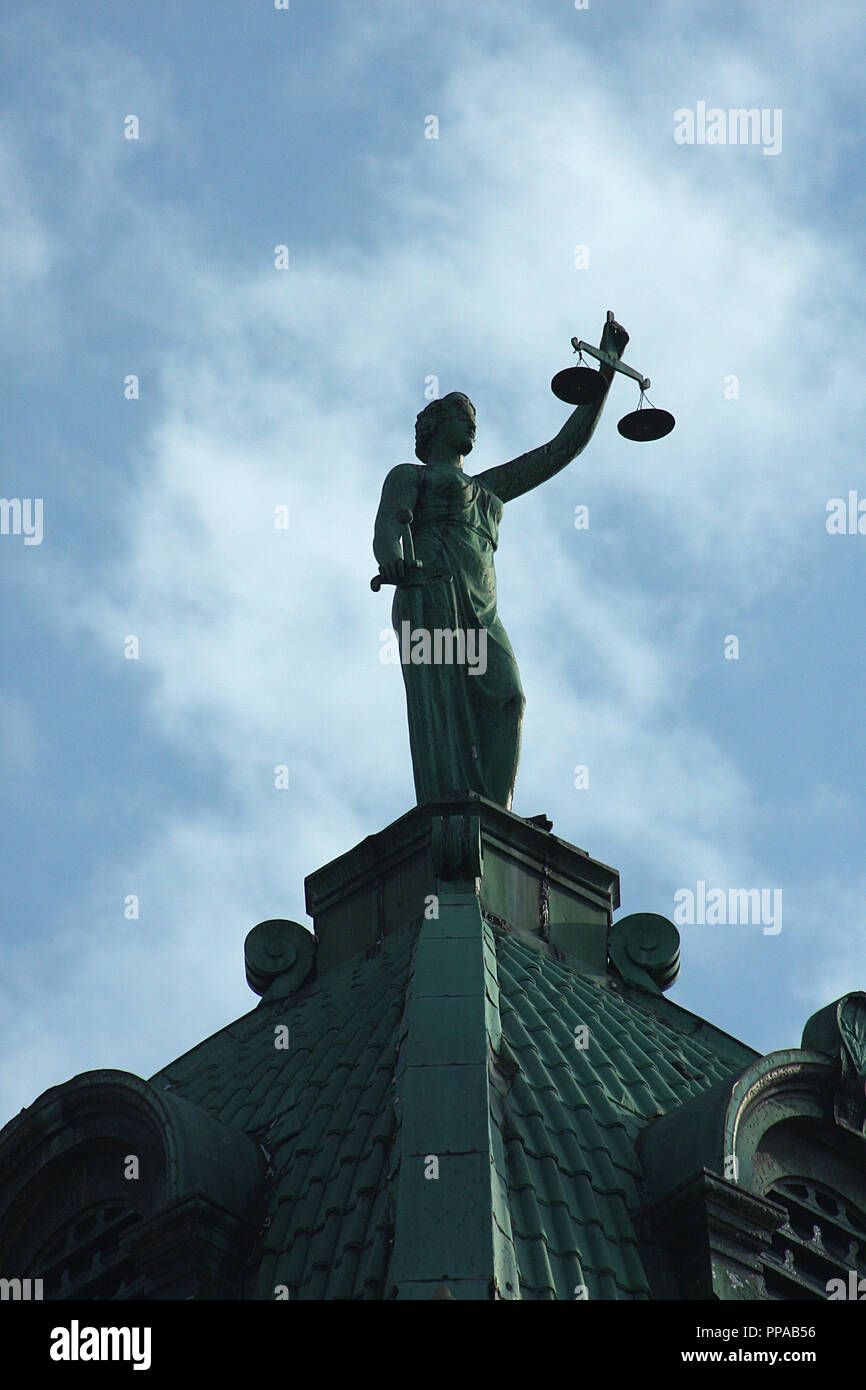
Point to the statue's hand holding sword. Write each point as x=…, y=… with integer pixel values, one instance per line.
x=400, y=571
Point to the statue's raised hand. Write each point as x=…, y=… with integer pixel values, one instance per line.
x=613, y=339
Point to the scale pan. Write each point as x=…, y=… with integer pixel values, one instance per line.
x=578, y=385
x=648, y=423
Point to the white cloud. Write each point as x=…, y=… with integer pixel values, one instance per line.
x=18, y=737
x=260, y=647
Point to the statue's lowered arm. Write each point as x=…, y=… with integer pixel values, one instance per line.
x=399, y=494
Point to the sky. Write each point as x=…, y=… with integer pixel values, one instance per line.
x=459, y=190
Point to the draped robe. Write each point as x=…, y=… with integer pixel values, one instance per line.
x=464, y=728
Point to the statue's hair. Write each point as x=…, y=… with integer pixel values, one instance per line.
x=432, y=416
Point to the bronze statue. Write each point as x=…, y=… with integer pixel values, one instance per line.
x=463, y=692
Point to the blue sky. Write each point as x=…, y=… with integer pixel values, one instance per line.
x=412, y=257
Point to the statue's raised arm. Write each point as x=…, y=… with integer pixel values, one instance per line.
x=519, y=475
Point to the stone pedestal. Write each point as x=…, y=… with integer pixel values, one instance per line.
x=521, y=874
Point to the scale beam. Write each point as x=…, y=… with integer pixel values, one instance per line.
x=580, y=346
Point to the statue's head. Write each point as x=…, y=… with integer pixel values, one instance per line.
x=453, y=407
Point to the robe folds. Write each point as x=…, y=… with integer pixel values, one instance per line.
x=464, y=723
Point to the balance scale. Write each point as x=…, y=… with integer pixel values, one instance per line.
x=584, y=385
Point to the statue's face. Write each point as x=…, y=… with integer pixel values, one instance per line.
x=457, y=429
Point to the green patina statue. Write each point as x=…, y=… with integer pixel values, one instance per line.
x=463, y=692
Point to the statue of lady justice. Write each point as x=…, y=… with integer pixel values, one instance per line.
x=464, y=719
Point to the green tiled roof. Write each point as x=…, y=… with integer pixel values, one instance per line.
x=572, y=1117
x=324, y=1111
x=461, y=1087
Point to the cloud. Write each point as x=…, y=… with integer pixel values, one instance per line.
x=18, y=737
x=25, y=254
x=839, y=963
x=263, y=388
